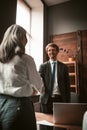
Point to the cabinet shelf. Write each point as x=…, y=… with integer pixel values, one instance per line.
x=73, y=74
x=73, y=86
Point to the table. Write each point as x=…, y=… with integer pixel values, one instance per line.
x=49, y=118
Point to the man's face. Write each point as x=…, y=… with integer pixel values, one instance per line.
x=52, y=53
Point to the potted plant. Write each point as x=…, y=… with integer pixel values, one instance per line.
x=71, y=54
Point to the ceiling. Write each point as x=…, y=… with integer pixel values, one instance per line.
x=38, y=3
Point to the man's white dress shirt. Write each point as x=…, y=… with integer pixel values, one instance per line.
x=55, y=87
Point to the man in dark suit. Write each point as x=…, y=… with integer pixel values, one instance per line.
x=57, y=90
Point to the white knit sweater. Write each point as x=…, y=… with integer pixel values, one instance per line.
x=18, y=76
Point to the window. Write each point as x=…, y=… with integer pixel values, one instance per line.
x=23, y=18
x=32, y=21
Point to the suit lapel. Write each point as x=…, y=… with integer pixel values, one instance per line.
x=49, y=69
x=49, y=74
x=58, y=71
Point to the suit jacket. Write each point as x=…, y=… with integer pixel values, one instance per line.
x=63, y=81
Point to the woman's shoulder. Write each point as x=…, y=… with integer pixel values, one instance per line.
x=27, y=58
x=23, y=60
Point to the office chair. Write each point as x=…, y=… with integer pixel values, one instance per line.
x=84, y=124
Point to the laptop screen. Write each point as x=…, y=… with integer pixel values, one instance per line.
x=68, y=113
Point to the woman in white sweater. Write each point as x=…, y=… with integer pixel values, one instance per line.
x=18, y=77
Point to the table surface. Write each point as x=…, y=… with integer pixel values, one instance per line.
x=49, y=118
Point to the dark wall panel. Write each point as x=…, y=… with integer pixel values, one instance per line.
x=7, y=15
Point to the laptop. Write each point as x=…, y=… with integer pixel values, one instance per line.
x=68, y=113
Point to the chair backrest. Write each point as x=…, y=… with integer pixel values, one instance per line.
x=84, y=125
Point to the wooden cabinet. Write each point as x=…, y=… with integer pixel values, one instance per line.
x=73, y=74
x=76, y=42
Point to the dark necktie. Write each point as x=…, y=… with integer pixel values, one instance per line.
x=53, y=76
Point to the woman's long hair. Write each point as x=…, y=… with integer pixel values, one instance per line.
x=12, y=43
